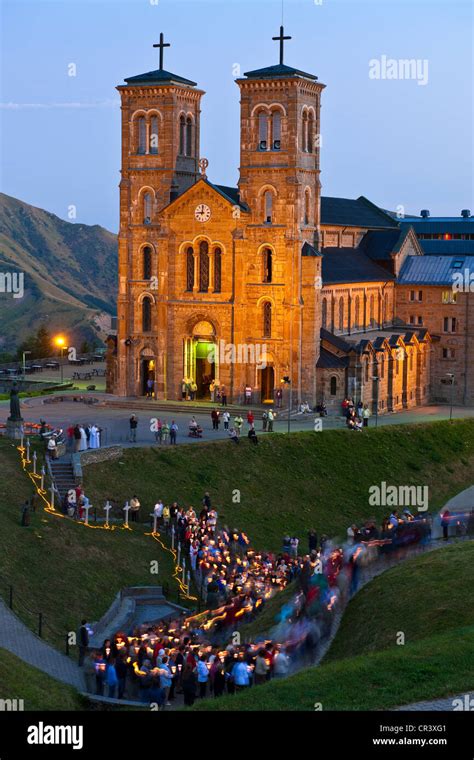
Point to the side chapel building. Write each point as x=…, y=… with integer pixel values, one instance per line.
x=303, y=287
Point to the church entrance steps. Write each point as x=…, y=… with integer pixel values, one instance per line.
x=63, y=474
x=175, y=407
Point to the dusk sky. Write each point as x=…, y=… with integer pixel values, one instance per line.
x=397, y=142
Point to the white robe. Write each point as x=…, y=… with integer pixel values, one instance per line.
x=94, y=440
x=83, y=443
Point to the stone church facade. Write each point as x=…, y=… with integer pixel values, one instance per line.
x=250, y=285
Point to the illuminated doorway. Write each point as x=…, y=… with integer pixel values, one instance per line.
x=267, y=385
x=148, y=373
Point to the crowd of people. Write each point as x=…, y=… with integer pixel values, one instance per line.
x=202, y=655
x=357, y=417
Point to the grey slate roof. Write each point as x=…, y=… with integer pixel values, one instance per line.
x=327, y=360
x=448, y=247
x=279, y=71
x=351, y=265
x=432, y=270
x=230, y=193
x=359, y=212
x=160, y=76
x=309, y=250
x=335, y=340
x=380, y=244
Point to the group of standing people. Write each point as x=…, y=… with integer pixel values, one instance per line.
x=83, y=437
x=357, y=417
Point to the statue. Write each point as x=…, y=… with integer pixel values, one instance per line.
x=15, y=413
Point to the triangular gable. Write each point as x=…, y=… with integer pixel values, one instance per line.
x=198, y=187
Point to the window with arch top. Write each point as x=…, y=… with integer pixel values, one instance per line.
x=189, y=136
x=141, y=132
x=203, y=266
x=146, y=262
x=189, y=269
x=341, y=314
x=146, y=314
x=304, y=132
x=182, y=135
x=276, y=130
x=154, y=134
x=311, y=133
x=324, y=313
x=147, y=208
x=217, y=270
x=267, y=265
x=267, y=319
x=268, y=206
x=307, y=207
x=333, y=387
x=262, y=130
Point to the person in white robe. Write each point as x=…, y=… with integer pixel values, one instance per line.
x=83, y=443
x=94, y=440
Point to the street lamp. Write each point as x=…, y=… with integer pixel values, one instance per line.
x=451, y=382
x=286, y=381
x=60, y=342
x=24, y=365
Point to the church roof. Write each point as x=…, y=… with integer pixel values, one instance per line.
x=380, y=244
x=279, y=71
x=349, y=212
x=231, y=194
x=351, y=265
x=327, y=360
x=160, y=76
x=309, y=250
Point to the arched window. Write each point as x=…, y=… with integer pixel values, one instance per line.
x=267, y=265
x=307, y=207
x=268, y=203
x=189, y=136
x=262, y=130
x=304, y=135
x=203, y=266
x=367, y=371
x=276, y=130
x=146, y=314
x=154, y=134
x=141, y=127
x=372, y=310
x=310, y=141
x=333, y=389
x=189, y=269
x=182, y=135
x=267, y=319
x=324, y=315
x=341, y=314
x=385, y=308
x=357, y=313
x=217, y=270
x=382, y=366
x=146, y=262
x=147, y=205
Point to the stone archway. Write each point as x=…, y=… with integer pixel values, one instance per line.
x=201, y=357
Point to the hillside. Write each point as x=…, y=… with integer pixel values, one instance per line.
x=297, y=482
x=69, y=271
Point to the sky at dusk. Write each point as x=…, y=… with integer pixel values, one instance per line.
x=396, y=141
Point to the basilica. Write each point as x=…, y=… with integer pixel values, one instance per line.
x=292, y=285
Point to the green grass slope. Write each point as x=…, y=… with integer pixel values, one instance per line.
x=64, y=569
x=38, y=690
x=293, y=483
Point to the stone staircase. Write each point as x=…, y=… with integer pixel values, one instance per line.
x=189, y=407
x=63, y=474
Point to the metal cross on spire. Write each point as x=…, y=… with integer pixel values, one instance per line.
x=281, y=38
x=161, y=44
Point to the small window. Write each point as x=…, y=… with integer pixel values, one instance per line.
x=146, y=314
x=189, y=137
x=307, y=207
x=154, y=134
x=182, y=135
x=324, y=318
x=310, y=143
x=304, y=132
x=147, y=262
x=189, y=269
x=268, y=201
x=449, y=324
x=203, y=266
x=141, y=126
x=217, y=270
x=449, y=296
x=267, y=319
x=276, y=130
x=267, y=265
x=333, y=389
x=147, y=206
x=262, y=130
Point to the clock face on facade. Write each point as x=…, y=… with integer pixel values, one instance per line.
x=202, y=213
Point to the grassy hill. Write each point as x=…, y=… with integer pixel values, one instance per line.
x=293, y=483
x=68, y=270
x=429, y=598
x=63, y=569
x=38, y=690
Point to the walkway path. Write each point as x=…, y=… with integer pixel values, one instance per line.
x=447, y=704
x=18, y=639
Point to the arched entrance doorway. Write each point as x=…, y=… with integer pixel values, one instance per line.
x=147, y=373
x=266, y=379
x=201, y=358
